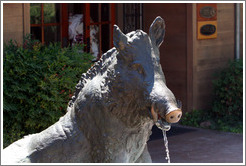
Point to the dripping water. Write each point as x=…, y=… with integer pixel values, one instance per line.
x=166, y=145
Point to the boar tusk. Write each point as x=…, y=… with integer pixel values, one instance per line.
x=154, y=114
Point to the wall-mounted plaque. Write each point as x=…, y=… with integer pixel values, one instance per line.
x=206, y=29
x=206, y=12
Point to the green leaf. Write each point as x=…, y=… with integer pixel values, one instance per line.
x=33, y=77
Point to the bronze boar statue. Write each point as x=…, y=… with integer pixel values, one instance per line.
x=115, y=105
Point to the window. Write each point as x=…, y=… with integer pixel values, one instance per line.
x=70, y=23
x=102, y=16
x=132, y=17
x=45, y=22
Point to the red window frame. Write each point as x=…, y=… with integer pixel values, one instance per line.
x=42, y=25
x=88, y=23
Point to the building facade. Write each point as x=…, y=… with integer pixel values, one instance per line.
x=199, y=40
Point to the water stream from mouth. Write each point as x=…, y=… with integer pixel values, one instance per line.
x=166, y=145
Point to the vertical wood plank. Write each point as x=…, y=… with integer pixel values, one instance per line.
x=42, y=22
x=112, y=16
x=64, y=24
x=100, y=29
x=189, y=69
x=26, y=18
x=13, y=22
x=87, y=26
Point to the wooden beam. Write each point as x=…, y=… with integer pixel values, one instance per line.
x=26, y=18
x=47, y=24
x=42, y=22
x=87, y=26
x=64, y=24
x=100, y=29
x=189, y=90
x=112, y=16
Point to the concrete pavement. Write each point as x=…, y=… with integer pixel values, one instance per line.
x=195, y=145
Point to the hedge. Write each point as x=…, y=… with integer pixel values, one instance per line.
x=38, y=82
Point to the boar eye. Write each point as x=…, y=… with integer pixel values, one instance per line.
x=139, y=68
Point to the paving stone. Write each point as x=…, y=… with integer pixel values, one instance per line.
x=195, y=145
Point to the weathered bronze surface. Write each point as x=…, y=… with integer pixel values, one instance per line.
x=114, y=107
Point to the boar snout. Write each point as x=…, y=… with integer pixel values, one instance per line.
x=173, y=116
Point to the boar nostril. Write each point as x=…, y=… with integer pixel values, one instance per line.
x=173, y=116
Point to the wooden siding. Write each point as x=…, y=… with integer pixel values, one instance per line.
x=241, y=31
x=16, y=21
x=173, y=51
x=212, y=55
x=189, y=64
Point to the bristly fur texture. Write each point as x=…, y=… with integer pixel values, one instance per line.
x=108, y=118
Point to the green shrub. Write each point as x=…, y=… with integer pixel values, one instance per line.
x=227, y=108
x=194, y=118
x=38, y=82
x=228, y=91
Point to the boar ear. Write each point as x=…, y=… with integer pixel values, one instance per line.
x=119, y=39
x=157, y=31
